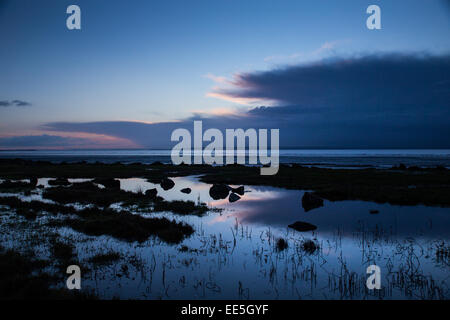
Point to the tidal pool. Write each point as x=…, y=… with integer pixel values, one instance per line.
x=233, y=253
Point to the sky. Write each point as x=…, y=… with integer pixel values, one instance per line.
x=137, y=70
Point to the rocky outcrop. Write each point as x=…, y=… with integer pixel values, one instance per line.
x=233, y=197
x=302, y=226
x=167, y=184
x=219, y=191
x=33, y=182
x=186, y=190
x=109, y=183
x=151, y=193
x=239, y=190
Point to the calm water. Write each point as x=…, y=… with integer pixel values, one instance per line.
x=323, y=158
x=233, y=254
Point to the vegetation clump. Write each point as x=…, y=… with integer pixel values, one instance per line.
x=281, y=244
x=181, y=207
x=310, y=246
x=127, y=226
x=21, y=278
x=103, y=259
x=62, y=251
x=122, y=225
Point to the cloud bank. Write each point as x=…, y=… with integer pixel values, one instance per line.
x=371, y=101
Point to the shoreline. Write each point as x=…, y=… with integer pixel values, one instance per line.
x=399, y=185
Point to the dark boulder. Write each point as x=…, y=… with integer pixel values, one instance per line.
x=233, y=197
x=311, y=201
x=374, y=211
x=186, y=190
x=219, y=191
x=151, y=193
x=167, y=184
x=33, y=182
x=239, y=190
x=302, y=226
x=109, y=183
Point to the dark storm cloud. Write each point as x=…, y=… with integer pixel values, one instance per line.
x=14, y=103
x=364, y=84
x=375, y=101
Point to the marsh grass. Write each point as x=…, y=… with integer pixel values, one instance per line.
x=307, y=268
x=95, y=221
x=21, y=278
x=281, y=244
x=128, y=227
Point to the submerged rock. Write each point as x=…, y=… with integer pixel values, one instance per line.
x=311, y=201
x=151, y=193
x=108, y=183
x=233, y=197
x=374, y=211
x=186, y=190
x=302, y=226
x=239, y=190
x=167, y=184
x=219, y=191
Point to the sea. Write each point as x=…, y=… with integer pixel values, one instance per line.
x=329, y=158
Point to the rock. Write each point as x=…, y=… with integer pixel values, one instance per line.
x=167, y=184
x=374, y=211
x=59, y=182
x=33, y=182
x=311, y=201
x=233, y=197
x=151, y=193
x=219, y=191
x=186, y=190
x=109, y=183
x=302, y=226
x=239, y=190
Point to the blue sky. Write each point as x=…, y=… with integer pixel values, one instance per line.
x=161, y=61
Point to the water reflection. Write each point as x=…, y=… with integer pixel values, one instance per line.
x=268, y=206
x=233, y=253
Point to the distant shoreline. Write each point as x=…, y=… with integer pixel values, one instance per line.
x=324, y=158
